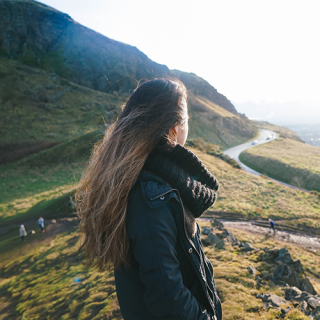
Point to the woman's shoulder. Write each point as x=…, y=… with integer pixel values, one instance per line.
x=150, y=192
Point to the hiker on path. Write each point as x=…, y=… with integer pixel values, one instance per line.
x=138, y=202
x=23, y=232
x=41, y=224
x=272, y=227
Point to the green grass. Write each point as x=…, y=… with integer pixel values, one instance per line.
x=286, y=160
x=36, y=105
x=255, y=197
x=45, y=278
x=42, y=177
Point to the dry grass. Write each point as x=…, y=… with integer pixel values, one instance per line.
x=256, y=197
x=289, y=160
x=51, y=281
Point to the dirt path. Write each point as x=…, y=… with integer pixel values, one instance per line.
x=308, y=242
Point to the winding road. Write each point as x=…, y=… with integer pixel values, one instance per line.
x=264, y=137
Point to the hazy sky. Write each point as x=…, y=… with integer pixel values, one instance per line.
x=261, y=54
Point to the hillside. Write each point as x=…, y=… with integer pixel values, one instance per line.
x=287, y=160
x=46, y=277
x=53, y=54
x=283, y=132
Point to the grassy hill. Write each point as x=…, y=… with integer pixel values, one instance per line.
x=54, y=172
x=287, y=160
x=46, y=278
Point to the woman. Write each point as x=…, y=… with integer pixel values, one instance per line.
x=22, y=232
x=138, y=201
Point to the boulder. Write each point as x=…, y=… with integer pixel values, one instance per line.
x=229, y=236
x=314, y=302
x=252, y=270
x=302, y=306
x=276, y=300
x=304, y=296
x=264, y=297
x=285, y=311
x=271, y=298
x=247, y=247
x=211, y=239
x=298, y=266
x=205, y=231
x=285, y=273
x=292, y=292
x=316, y=313
x=217, y=224
x=307, y=286
x=266, y=305
x=284, y=256
x=220, y=244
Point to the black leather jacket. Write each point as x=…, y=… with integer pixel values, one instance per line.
x=169, y=275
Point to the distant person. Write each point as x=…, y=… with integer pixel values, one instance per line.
x=23, y=232
x=41, y=224
x=138, y=202
x=272, y=227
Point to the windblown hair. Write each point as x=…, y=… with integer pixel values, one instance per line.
x=145, y=123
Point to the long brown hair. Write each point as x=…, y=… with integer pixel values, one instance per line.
x=145, y=123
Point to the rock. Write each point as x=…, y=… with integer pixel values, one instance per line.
x=302, y=306
x=237, y=243
x=266, y=305
x=252, y=270
x=206, y=231
x=304, y=296
x=264, y=297
x=285, y=311
x=298, y=266
x=229, y=236
x=220, y=244
x=285, y=273
x=276, y=300
x=247, y=247
x=53, y=221
x=217, y=224
x=316, y=313
x=307, y=286
x=284, y=256
x=211, y=239
x=273, y=298
x=292, y=292
x=314, y=302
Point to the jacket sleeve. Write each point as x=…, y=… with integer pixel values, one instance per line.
x=153, y=234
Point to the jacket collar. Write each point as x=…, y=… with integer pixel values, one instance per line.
x=154, y=186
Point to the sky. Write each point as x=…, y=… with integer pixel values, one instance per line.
x=263, y=55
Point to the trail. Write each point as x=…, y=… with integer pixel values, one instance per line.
x=308, y=242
